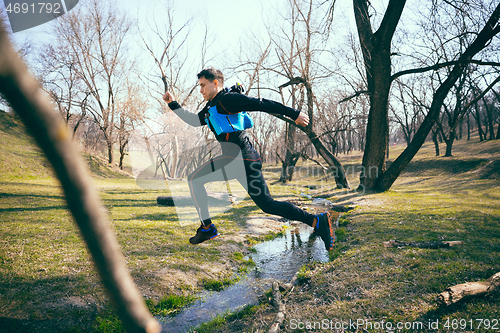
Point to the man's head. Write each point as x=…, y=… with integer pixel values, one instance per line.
x=211, y=81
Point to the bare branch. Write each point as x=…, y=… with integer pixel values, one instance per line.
x=442, y=65
x=358, y=93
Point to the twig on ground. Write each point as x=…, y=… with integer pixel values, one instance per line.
x=423, y=245
x=278, y=304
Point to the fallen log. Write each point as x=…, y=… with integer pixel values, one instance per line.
x=460, y=291
x=181, y=201
x=278, y=304
x=423, y=245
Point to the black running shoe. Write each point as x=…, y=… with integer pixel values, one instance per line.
x=203, y=234
x=325, y=229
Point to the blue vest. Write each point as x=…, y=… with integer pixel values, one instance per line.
x=227, y=123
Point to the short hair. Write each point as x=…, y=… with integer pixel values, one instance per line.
x=212, y=74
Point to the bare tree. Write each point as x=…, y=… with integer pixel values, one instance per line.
x=94, y=38
x=298, y=61
x=131, y=111
x=409, y=111
x=60, y=79
x=376, y=49
x=481, y=39
x=167, y=45
x=377, y=53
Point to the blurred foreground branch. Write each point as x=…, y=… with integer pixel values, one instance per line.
x=28, y=100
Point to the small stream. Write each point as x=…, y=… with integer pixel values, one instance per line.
x=278, y=259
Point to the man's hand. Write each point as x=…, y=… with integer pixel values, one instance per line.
x=302, y=120
x=168, y=97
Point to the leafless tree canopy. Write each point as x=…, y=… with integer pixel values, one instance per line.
x=377, y=81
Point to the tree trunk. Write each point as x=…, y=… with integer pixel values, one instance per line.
x=110, y=151
x=477, y=116
x=377, y=58
x=469, y=127
x=449, y=144
x=435, y=140
x=340, y=175
x=465, y=290
x=489, y=119
x=175, y=158
x=286, y=168
x=122, y=154
x=377, y=131
x=460, y=130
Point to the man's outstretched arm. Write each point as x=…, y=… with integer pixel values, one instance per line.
x=190, y=118
x=234, y=103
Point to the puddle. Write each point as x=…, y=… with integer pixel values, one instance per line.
x=279, y=259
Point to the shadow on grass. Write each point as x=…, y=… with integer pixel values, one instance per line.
x=160, y=217
x=443, y=165
x=9, y=325
x=239, y=215
x=129, y=203
x=50, y=311
x=33, y=209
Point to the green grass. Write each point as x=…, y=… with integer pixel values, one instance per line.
x=218, y=284
x=222, y=320
x=169, y=304
x=253, y=240
x=436, y=198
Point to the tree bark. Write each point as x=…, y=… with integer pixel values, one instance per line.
x=377, y=58
x=449, y=144
x=489, y=118
x=340, y=175
x=477, y=116
x=291, y=157
x=435, y=140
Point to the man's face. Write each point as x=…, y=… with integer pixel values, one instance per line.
x=208, y=89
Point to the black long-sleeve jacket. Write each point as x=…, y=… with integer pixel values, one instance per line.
x=231, y=103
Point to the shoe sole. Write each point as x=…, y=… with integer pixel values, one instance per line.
x=330, y=226
x=206, y=239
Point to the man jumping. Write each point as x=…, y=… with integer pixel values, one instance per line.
x=225, y=114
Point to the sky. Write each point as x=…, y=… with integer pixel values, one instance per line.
x=227, y=20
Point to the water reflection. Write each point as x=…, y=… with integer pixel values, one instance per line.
x=278, y=259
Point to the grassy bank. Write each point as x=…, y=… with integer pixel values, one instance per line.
x=437, y=198
x=47, y=279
